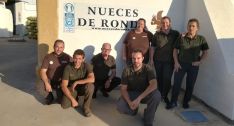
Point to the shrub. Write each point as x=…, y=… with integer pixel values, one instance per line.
x=31, y=27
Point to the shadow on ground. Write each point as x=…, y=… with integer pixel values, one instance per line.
x=18, y=65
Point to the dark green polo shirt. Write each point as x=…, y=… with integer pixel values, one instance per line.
x=190, y=49
x=72, y=74
x=163, y=44
x=102, y=67
x=137, y=80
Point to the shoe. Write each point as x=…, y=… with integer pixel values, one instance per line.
x=171, y=105
x=185, y=105
x=94, y=96
x=87, y=113
x=77, y=98
x=148, y=124
x=49, y=98
x=105, y=94
x=145, y=122
x=166, y=100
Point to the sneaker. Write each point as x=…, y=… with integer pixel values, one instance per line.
x=49, y=98
x=148, y=124
x=171, y=105
x=166, y=100
x=185, y=105
x=94, y=95
x=105, y=94
x=87, y=113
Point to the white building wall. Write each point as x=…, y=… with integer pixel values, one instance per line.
x=6, y=22
x=22, y=11
x=216, y=76
x=177, y=12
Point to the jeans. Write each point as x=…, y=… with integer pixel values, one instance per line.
x=152, y=100
x=192, y=72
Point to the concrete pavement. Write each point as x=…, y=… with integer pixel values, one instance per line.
x=22, y=103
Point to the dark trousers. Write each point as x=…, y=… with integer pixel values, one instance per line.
x=152, y=100
x=100, y=84
x=55, y=85
x=164, y=72
x=192, y=72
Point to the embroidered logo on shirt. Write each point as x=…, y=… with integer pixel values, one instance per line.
x=64, y=61
x=72, y=75
x=51, y=62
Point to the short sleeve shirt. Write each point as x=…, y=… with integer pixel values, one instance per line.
x=55, y=65
x=137, y=80
x=102, y=67
x=137, y=41
x=163, y=44
x=72, y=74
x=190, y=49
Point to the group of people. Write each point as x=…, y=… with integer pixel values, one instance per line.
x=72, y=77
x=150, y=62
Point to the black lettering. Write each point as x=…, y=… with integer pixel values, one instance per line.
x=91, y=22
x=135, y=13
x=133, y=24
x=111, y=12
x=100, y=11
x=81, y=22
x=124, y=24
x=93, y=11
x=128, y=14
x=104, y=23
x=118, y=12
x=114, y=23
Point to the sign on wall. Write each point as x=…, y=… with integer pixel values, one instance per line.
x=100, y=17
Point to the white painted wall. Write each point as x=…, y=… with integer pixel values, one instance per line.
x=22, y=11
x=6, y=22
x=216, y=76
x=177, y=12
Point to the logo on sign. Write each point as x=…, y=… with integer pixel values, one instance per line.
x=69, y=17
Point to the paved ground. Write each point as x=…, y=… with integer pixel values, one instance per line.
x=22, y=99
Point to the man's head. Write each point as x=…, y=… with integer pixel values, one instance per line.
x=165, y=23
x=106, y=49
x=137, y=58
x=58, y=46
x=78, y=57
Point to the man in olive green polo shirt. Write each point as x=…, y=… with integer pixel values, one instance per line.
x=77, y=80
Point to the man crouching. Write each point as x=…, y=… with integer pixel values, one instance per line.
x=78, y=79
x=139, y=85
